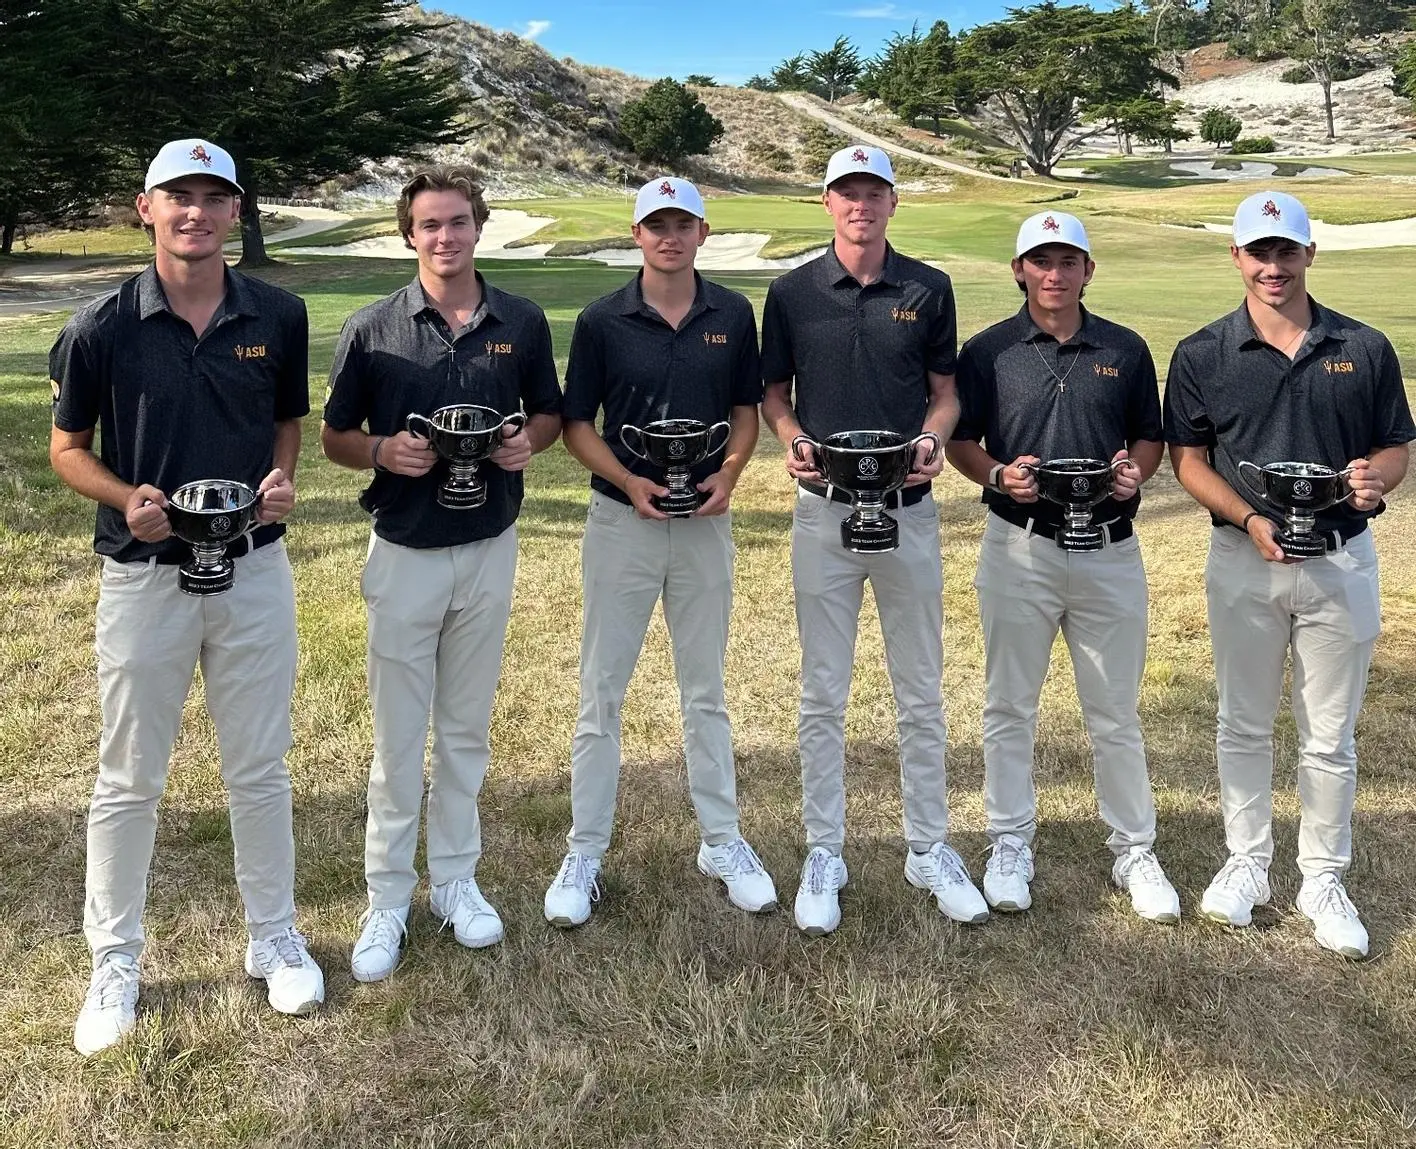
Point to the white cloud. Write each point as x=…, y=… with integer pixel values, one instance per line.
x=873, y=12
x=535, y=28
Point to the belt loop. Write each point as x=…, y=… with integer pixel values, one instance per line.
x=1028, y=528
x=150, y=561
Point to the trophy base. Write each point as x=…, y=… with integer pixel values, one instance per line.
x=1301, y=546
x=203, y=580
x=870, y=536
x=462, y=499
x=678, y=504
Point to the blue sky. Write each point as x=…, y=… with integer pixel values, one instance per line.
x=727, y=39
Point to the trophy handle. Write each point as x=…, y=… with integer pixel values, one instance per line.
x=637, y=452
x=815, y=450
x=516, y=420
x=1244, y=468
x=419, y=426
x=934, y=452
x=727, y=429
x=1344, y=474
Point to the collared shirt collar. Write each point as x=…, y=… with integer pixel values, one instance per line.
x=1239, y=326
x=833, y=271
x=417, y=298
x=1030, y=332
x=631, y=298
x=152, y=299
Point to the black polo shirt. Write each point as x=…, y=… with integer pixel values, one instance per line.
x=398, y=355
x=172, y=408
x=1013, y=401
x=859, y=357
x=625, y=358
x=1339, y=399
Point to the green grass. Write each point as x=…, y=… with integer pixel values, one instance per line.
x=671, y=1018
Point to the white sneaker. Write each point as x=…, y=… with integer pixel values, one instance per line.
x=1007, y=874
x=569, y=895
x=110, y=1008
x=1138, y=872
x=460, y=905
x=941, y=871
x=1336, y=926
x=818, y=909
x=294, y=983
x=1240, y=885
x=380, y=943
x=738, y=867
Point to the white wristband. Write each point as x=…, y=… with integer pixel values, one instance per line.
x=993, y=474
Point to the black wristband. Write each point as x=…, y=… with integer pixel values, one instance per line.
x=1244, y=525
x=374, y=454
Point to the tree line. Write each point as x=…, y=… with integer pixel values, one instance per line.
x=1055, y=74
x=298, y=93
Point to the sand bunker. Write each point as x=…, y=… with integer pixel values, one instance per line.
x=737, y=251
x=1352, y=236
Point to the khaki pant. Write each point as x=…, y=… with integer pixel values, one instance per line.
x=1326, y=612
x=150, y=638
x=628, y=563
x=829, y=584
x=437, y=620
x=1028, y=589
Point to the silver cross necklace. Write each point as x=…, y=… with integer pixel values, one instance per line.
x=1061, y=379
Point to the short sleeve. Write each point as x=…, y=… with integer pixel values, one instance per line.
x=76, y=380
x=540, y=388
x=1391, y=412
x=584, y=372
x=1143, y=416
x=972, y=382
x=941, y=357
x=292, y=394
x=1186, y=423
x=350, y=399
x=747, y=369
x=778, y=362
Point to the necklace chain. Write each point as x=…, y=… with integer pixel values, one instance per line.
x=1061, y=380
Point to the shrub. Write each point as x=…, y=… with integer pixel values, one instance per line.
x=818, y=144
x=778, y=159
x=1253, y=146
x=1219, y=127
x=668, y=122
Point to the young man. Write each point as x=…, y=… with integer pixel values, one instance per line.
x=1055, y=382
x=863, y=338
x=1283, y=378
x=189, y=371
x=669, y=344
x=438, y=581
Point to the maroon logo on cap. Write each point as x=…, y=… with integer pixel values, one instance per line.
x=202, y=156
x=1050, y=224
x=859, y=156
x=667, y=189
x=1271, y=209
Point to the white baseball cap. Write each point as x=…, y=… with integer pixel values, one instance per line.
x=859, y=158
x=1271, y=215
x=667, y=192
x=1052, y=227
x=191, y=158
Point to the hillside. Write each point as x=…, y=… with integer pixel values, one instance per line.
x=551, y=126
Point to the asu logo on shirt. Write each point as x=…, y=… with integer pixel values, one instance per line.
x=715, y=337
x=245, y=351
x=498, y=348
x=1339, y=366
x=1108, y=372
x=901, y=315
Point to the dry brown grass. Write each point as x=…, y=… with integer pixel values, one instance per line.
x=671, y=1018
